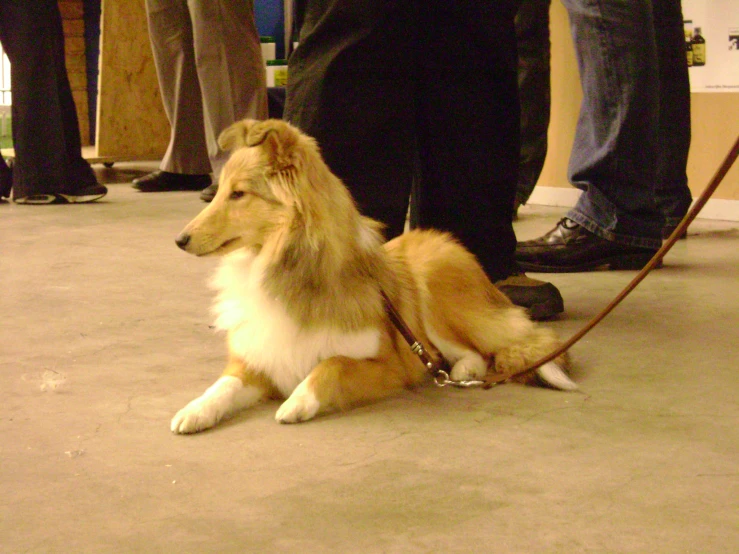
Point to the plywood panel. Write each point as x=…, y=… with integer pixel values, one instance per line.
x=130, y=121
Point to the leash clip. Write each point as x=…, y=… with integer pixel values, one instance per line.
x=442, y=379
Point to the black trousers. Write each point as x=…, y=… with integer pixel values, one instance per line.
x=397, y=91
x=671, y=190
x=534, y=91
x=46, y=134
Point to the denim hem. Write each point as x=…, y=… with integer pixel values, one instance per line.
x=626, y=240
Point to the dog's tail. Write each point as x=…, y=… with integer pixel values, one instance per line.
x=554, y=376
x=538, y=343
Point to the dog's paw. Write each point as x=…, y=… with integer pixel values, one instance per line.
x=221, y=398
x=471, y=366
x=200, y=414
x=301, y=406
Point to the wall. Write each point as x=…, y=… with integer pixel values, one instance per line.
x=74, y=50
x=269, y=16
x=715, y=127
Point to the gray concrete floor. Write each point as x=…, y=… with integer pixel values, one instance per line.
x=105, y=334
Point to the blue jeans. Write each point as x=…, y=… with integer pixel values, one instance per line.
x=616, y=154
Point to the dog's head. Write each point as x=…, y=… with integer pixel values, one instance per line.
x=258, y=190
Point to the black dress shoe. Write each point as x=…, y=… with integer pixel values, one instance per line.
x=164, y=181
x=570, y=247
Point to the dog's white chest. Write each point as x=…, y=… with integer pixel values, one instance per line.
x=267, y=338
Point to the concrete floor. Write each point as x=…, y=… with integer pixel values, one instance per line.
x=105, y=335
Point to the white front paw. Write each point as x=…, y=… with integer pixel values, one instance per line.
x=202, y=413
x=222, y=398
x=301, y=406
x=471, y=366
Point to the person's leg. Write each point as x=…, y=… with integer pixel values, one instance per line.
x=468, y=127
x=351, y=87
x=672, y=192
x=171, y=35
x=6, y=179
x=46, y=137
x=615, y=223
x=532, y=36
x=614, y=154
x=230, y=69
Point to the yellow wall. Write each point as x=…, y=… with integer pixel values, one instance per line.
x=715, y=121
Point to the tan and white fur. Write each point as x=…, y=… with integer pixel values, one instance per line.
x=299, y=291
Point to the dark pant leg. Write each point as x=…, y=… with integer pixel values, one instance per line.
x=673, y=194
x=376, y=83
x=534, y=91
x=6, y=179
x=351, y=87
x=469, y=125
x=46, y=133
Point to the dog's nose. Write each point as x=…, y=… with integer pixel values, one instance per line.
x=182, y=240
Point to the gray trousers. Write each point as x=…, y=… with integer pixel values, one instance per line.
x=211, y=74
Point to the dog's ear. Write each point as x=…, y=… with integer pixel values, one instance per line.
x=235, y=136
x=278, y=139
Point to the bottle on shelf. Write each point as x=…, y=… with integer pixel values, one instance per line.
x=688, y=32
x=276, y=73
x=269, y=48
x=699, y=48
x=689, y=52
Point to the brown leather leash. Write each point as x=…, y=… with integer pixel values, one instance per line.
x=439, y=369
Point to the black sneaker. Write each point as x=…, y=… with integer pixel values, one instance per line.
x=542, y=300
x=83, y=195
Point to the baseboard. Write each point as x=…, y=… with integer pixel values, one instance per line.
x=718, y=209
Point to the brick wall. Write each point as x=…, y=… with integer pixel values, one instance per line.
x=74, y=39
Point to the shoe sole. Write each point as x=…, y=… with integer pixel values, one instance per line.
x=45, y=199
x=545, y=310
x=616, y=263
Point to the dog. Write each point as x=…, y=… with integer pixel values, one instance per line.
x=300, y=291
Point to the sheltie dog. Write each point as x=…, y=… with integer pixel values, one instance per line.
x=300, y=291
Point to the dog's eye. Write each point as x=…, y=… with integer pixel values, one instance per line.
x=235, y=195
